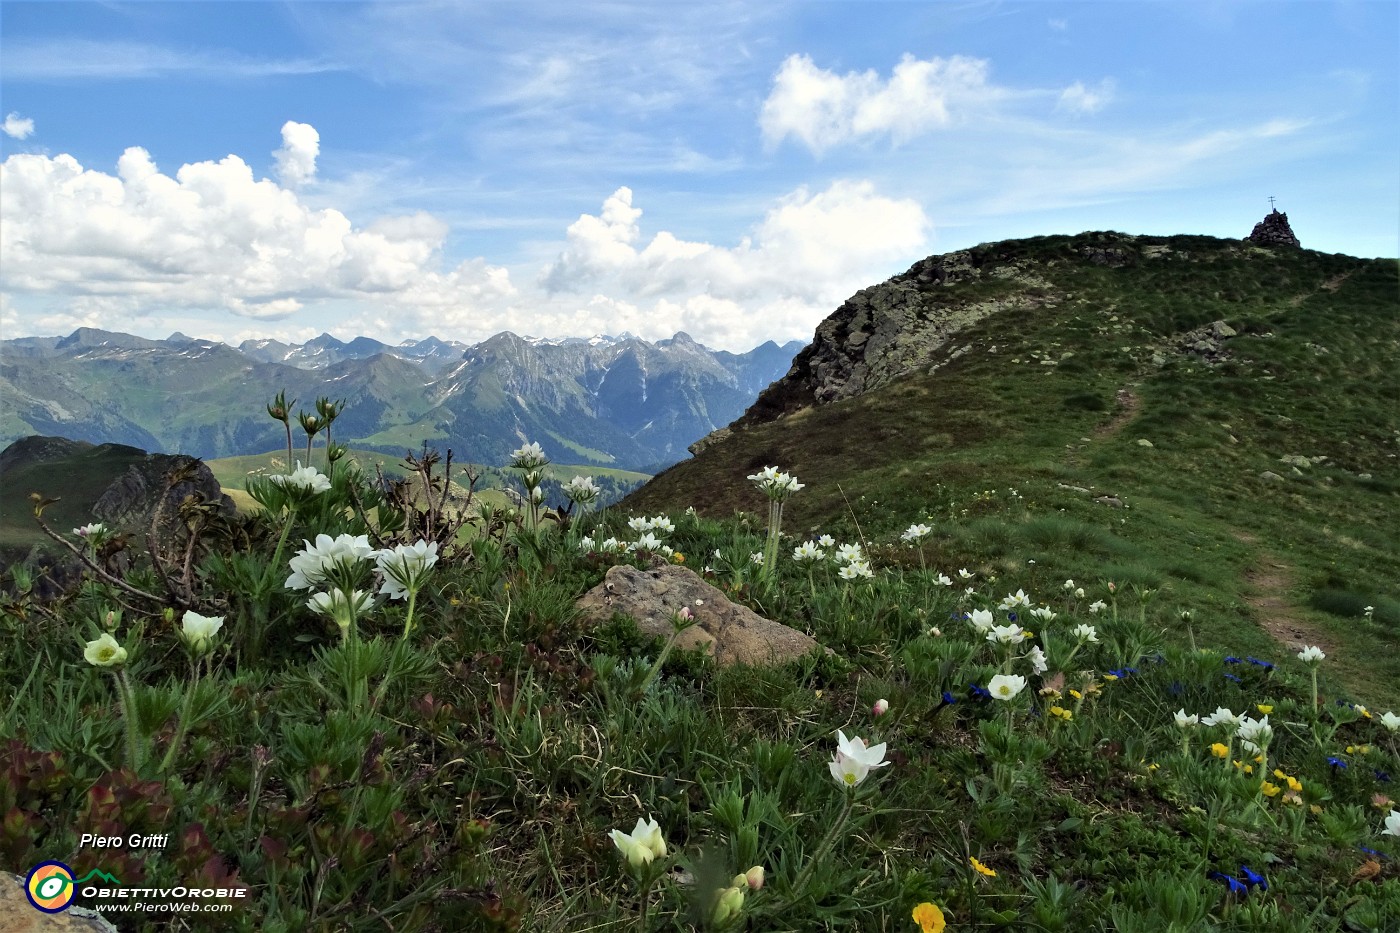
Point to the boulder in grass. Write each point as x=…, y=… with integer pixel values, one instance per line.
x=727, y=631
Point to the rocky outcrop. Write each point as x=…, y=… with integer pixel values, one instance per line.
x=1273, y=230
x=1207, y=343
x=887, y=331
x=134, y=496
x=728, y=632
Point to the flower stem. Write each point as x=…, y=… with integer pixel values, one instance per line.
x=800, y=884
x=184, y=723
x=127, y=701
x=408, y=620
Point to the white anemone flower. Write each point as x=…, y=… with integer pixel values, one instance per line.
x=849, y=553
x=1011, y=634
x=1391, y=721
x=198, y=631
x=1006, y=686
x=1086, y=633
x=1311, y=655
x=1184, y=721
x=1016, y=600
x=826, y=541
x=639, y=523
x=647, y=542
x=806, y=551
x=340, y=607
x=915, y=532
x=856, y=570
x=528, y=457
x=104, y=651
x=1043, y=613
x=982, y=620
x=306, y=479
x=1392, y=824
x=1221, y=717
x=854, y=760
x=1257, y=732
x=965, y=574
x=1039, y=664
x=1097, y=606
x=581, y=490
x=314, y=563
x=943, y=580
x=643, y=844
x=405, y=568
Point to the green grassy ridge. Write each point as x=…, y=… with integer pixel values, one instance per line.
x=76, y=481
x=927, y=444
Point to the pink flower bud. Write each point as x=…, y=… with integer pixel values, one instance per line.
x=881, y=707
x=685, y=613
x=754, y=877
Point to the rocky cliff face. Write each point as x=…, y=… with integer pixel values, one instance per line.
x=135, y=495
x=1273, y=230
x=886, y=331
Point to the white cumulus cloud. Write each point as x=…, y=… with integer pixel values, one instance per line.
x=809, y=252
x=296, y=160
x=213, y=236
x=821, y=108
x=17, y=127
x=1079, y=98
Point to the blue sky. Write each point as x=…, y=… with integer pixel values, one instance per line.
x=734, y=170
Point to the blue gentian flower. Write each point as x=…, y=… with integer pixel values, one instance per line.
x=948, y=698
x=1336, y=762
x=1383, y=777
x=1011, y=616
x=1379, y=855
x=975, y=692
x=1231, y=659
x=1232, y=677
x=1234, y=884
x=1264, y=664
x=1253, y=879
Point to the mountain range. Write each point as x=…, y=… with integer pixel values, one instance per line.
x=616, y=401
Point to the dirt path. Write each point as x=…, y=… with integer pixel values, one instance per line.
x=1269, y=581
x=1128, y=407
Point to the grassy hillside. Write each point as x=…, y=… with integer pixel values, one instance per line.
x=993, y=447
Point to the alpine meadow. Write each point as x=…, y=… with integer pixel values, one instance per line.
x=1091, y=631
x=626, y=466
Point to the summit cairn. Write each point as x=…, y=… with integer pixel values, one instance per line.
x=1273, y=230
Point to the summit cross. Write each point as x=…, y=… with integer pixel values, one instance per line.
x=1271, y=203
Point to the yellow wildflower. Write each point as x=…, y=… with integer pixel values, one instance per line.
x=1061, y=712
x=1265, y=708
x=678, y=558
x=1076, y=694
x=982, y=869
x=1294, y=784
x=929, y=918
x=1278, y=773
x=1219, y=750
x=1270, y=790
x=1110, y=676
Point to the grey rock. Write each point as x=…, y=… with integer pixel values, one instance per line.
x=1111, y=501
x=1271, y=476
x=728, y=632
x=1273, y=230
